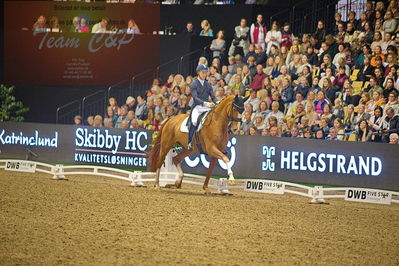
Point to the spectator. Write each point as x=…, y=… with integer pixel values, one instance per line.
x=77, y=120
x=141, y=109
x=75, y=24
x=55, y=24
x=218, y=45
x=246, y=123
x=98, y=121
x=390, y=24
x=253, y=100
x=189, y=30
x=206, y=29
x=108, y=123
x=349, y=119
x=83, y=26
x=287, y=93
x=366, y=71
x=258, y=78
x=132, y=27
x=363, y=133
x=276, y=112
x=320, y=34
x=392, y=120
x=392, y=103
x=319, y=134
x=40, y=24
x=122, y=116
x=339, y=128
x=320, y=102
x=338, y=110
x=286, y=36
x=258, y=32
x=273, y=37
x=100, y=27
x=361, y=115
x=373, y=87
x=240, y=41
x=90, y=120
x=253, y=131
x=394, y=138
x=387, y=42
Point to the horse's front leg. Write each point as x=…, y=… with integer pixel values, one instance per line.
x=219, y=155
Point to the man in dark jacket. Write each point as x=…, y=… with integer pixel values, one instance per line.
x=201, y=91
x=393, y=121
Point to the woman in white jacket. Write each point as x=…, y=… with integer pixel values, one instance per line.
x=273, y=37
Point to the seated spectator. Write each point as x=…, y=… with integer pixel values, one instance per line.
x=269, y=66
x=275, y=112
x=55, y=25
x=376, y=101
x=132, y=27
x=75, y=24
x=363, y=133
x=312, y=56
x=311, y=115
x=265, y=132
x=274, y=51
x=392, y=121
x=390, y=23
x=319, y=134
x=77, y=120
x=90, y=120
x=392, y=103
x=338, y=110
x=240, y=42
x=340, y=79
x=298, y=114
x=389, y=87
x=294, y=66
x=394, y=138
x=276, y=97
x=108, y=123
x=339, y=127
x=260, y=56
x=122, y=116
x=134, y=124
x=259, y=123
x=293, y=52
x=258, y=78
x=373, y=86
x=273, y=37
x=206, y=29
x=246, y=77
x=98, y=121
x=328, y=115
x=253, y=131
x=83, y=26
x=40, y=24
x=141, y=109
x=100, y=27
x=360, y=61
x=315, y=85
x=287, y=93
x=131, y=103
x=279, y=69
x=333, y=134
x=377, y=123
x=349, y=125
x=263, y=110
x=361, y=115
x=246, y=123
x=291, y=108
x=329, y=90
x=274, y=132
x=189, y=30
x=387, y=42
x=218, y=45
x=320, y=102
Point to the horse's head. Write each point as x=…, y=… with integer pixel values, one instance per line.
x=239, y=103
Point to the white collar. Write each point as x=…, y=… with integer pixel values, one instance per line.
x=201, y=81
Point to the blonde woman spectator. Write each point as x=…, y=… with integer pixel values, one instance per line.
x=394, y=138
x=284, y=53
x=339, y=127
x=273, y=37
x=290, y=57
x=269, y=66
x=98, y=121
x=278, y=64
x=329, y=76
x=294, y=66
x=338, y=110
x=340, y=54
x=218, y=45
x=206, y=29
x=189, y=80
x=311, y=114
x=180, y=82
x=304, y=63
x=55, y=25
x=252, y=131
x=311, y=97
x=349, y=119
x=275, y=132
x=237, y=87
x=108, y=123
x=246, y=77
x=90, y=120
x=203, y=61
x=132, y=27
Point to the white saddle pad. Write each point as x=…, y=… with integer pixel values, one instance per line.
x=184, y=128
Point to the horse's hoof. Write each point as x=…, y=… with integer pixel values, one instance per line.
x=178, y=185
x=232, y=182
x=207, y=193
x=170, y=186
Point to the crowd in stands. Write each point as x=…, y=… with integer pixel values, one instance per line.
x=339, y=85
x=82, y=24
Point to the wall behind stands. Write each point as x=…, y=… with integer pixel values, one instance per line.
x=369, y=165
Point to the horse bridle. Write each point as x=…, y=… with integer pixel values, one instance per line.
x=230, y=117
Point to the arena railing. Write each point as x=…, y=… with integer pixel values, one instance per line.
x=94, y=104
x=188, y=62
x=165, y=69
x=66, y=112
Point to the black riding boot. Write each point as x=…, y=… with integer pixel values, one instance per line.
x=191, y=133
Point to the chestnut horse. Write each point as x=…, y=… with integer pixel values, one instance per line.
x=213, y=138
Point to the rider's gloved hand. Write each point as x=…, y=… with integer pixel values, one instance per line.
x=208, y=104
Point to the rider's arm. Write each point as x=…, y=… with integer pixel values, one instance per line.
x=194, y=93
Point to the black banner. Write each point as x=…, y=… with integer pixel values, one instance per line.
x=335, y=163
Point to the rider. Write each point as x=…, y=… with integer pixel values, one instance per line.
x=201, y=90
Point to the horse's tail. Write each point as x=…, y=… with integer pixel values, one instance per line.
x=153, y=154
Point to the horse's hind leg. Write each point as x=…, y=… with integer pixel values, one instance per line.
x=176, y=161
x=208, y=175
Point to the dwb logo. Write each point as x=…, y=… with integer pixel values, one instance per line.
x=268, y=164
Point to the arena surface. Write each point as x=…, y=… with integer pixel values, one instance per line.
x=96, y=221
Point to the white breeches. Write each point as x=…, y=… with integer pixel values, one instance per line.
x=196, y=112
